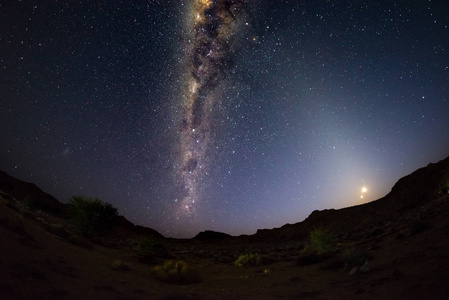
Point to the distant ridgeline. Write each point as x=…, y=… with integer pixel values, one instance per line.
x=409, y=193
x=19, y=190
x=33, y=197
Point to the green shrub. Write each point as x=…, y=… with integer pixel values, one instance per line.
x=176, y=272
x=320, y=241
x=91, y=217
x=247, y=260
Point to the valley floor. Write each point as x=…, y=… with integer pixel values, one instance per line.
x=402, y=260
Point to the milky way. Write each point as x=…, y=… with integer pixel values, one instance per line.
x=213, y=26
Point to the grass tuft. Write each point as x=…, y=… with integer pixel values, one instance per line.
x=247, y=260
x=176, y=272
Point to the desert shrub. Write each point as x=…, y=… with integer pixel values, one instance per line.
x=148, y=248
x=321, y=241
x=119, y=265
x=90, y=216
x=176, y=272
x=249, y=259
x=318, y=249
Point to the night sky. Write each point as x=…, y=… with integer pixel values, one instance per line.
x=223, y=115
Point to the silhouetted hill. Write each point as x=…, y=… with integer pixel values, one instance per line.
x=410, y=192
x=18, y=190
x=24, y=191
x=137, y=229
x=210, y=235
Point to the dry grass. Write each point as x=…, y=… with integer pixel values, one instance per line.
x=176, y=272
x=247, y=260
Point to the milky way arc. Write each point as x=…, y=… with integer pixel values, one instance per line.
x=212, y=28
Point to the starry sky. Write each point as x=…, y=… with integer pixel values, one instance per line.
x=225, y=115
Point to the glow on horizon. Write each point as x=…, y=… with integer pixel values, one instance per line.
x=364, y=190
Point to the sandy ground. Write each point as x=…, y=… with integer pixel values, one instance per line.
x=399, y=260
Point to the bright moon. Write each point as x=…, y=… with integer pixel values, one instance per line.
x=364, y=190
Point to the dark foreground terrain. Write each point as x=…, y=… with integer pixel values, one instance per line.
x=394, y=248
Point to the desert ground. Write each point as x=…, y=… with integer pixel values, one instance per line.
x=396, y=247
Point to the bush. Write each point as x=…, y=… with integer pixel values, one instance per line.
x=247, y=260
x=321, y=241
x=91, y=217
x=176, y=272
